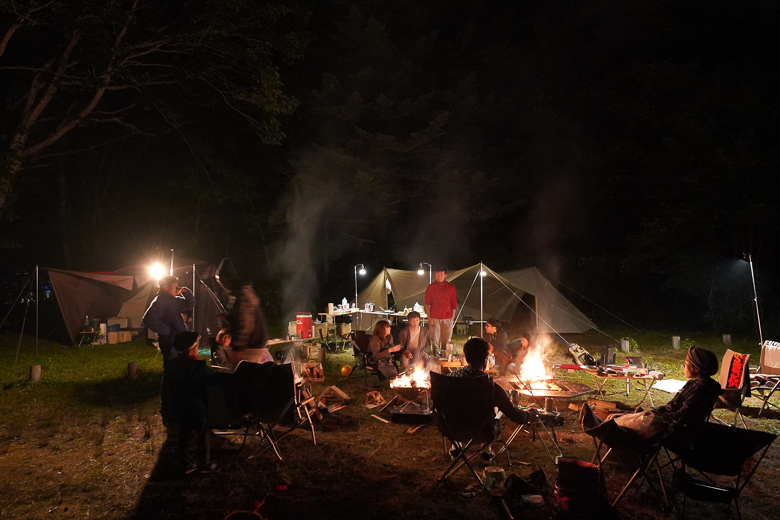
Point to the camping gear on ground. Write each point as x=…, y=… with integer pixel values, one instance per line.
x=303, y=325
x=579, y=486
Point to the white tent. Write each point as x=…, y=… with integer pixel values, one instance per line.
x=494, y=294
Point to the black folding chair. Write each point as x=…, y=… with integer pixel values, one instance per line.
x=633, y=448
x=360, y=341
x=271, y=399
x=463, y=411
x=724, y=458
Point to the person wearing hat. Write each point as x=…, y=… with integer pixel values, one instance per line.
x=164, y=317
x=164, y=314
x=188, y=377
x=441, y=302
x=415, y=343
x=690, y=407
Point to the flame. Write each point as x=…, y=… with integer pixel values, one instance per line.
x=533, y=369
x=418, y=379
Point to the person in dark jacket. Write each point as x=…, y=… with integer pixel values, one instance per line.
x=497, y=339
x=690, y=407
x=381, y=348
x=164, y=313
x=164, y=317
x=248, y=321
x=476, y=351
x=188, y=377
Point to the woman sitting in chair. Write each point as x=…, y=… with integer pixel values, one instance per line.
x=688, y=408
x=382, y=348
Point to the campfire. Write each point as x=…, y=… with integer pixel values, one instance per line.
x=413, y=388
x=534, y=374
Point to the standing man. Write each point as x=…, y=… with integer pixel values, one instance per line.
x=415, y=343
x=164, y=317
x=441, y=303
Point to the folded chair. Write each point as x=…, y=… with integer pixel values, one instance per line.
x=735, y=382
x=270, y=399
x=767, y=381
x=641, y=452
x=463, y=411
x=724, y=459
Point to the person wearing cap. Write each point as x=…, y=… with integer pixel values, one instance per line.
x=164, y=314
x=441, y=302
x=188, y=377
x=415, y=343
x=164, y=317
x=497, y=339
x=694, y=402
x=690, y=407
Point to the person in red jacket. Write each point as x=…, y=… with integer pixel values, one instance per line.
x=440, y=306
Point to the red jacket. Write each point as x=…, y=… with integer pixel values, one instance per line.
x=442, y=300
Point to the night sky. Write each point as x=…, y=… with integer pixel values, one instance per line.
x=626, y=148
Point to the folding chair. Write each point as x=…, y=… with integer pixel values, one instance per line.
x=463, y=411
x=643, y=452
x=544, y=424
x=735, y=382
x=271, y=399
x=360, y=351
x=721, y=456
x=767, y=381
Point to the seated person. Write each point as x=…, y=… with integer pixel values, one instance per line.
x=497, y=339
x=381, y=348
x=476, y=351
x=415, y=343
x=188, y=378
x=223, y=351
x=688, y=408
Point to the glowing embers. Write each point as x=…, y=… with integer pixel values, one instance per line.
x=412, y=389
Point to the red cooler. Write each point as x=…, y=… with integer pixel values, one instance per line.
x=303, y=326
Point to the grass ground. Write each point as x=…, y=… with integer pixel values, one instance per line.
x=87, y=442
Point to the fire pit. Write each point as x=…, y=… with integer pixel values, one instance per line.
x=413, y=390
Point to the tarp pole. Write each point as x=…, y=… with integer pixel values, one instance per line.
x=37, y=299
x=193, y=293
x=170, y=273
x=481, y=316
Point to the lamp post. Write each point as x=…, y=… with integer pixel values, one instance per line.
x=749, y=258
x=360, y=272
x=482, y=274
x=421, y=271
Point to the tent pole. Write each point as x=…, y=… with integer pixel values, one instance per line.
x=193, y=293
x=37, y=288
x=171, y=271
x=481, y=316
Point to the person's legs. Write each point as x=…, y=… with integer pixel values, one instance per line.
x=445, y=333
x=204, y=445
x=435, y=325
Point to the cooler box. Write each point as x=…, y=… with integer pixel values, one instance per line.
x=122, y=322
x=303, y=325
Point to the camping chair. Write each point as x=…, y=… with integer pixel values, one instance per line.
x=642, y=451
x=767, y=381
x=721, y=456
x=270, y=398
x=360, y=351
x=543, y=426
x=463, y=411
x=735, y=382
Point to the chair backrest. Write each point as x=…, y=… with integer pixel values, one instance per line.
x=360, y=339
x=734, y=371
x=265, y=389
x=463, y=407
x=723, y=450
x=770, y=358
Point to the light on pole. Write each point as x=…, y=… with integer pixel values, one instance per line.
x=360, y=272
x=749, y=259
x=421, y=271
